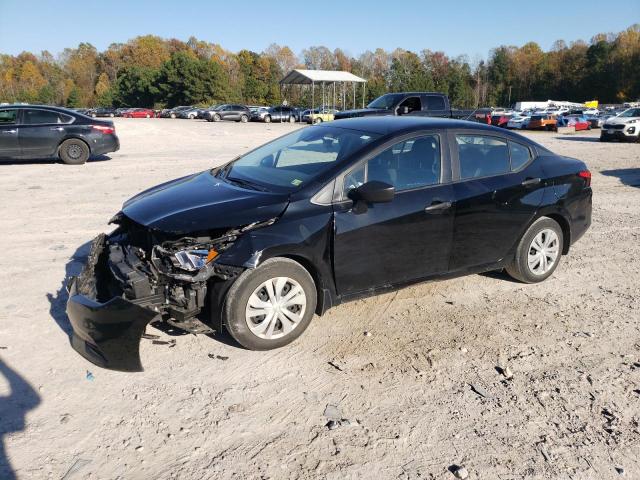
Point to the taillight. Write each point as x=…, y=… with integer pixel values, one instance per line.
x=104, y=129
x=586, y=174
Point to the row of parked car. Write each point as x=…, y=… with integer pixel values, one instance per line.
x=216, y=113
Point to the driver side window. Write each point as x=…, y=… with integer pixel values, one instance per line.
x=412, y=103
x=412, y=163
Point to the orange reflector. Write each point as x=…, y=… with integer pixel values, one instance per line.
x=212, y=255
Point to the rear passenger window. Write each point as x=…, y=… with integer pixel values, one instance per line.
x=409, y=164
x=482, y=156
x=520, y=155
x=8, y=116
x=37, y=117
x=435, y=102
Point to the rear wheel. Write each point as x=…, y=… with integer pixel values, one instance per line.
x=147, y=116
x=173, y=115
x=270, y=306
x=317, y=120
x=74, y=152
x=538, y=252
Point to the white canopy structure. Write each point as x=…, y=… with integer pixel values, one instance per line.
x=308, y=77
x=327, y=79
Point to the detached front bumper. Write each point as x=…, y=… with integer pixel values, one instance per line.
x=107, y=334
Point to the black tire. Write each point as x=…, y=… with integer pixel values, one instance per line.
x=267, y=119
x=244, y=119
x=234, y=311
x=74, y=152
x=216, y=118
x=519, y=266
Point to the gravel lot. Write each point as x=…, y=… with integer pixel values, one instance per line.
x=421, y=390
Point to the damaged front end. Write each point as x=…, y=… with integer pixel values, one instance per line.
x=136, y=275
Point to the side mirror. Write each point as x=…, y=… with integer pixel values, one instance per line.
x=373, y=192
x=403, y=110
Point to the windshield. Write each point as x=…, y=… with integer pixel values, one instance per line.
x=293, y=161
x=386, y=101
x=632, y=112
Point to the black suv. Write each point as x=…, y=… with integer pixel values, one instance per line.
x=228, y=111
x=34, y=131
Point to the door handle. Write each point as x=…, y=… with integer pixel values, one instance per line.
x=58, y=129
x=529, y=182
x=438, y=206
x=10, y=132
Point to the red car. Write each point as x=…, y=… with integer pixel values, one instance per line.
x=139, y=113
x=577, y=121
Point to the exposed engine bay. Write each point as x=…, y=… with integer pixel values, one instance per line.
x=166, y=273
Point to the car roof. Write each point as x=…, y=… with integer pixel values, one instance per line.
x=388, y=125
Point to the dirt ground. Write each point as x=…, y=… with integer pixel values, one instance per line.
x=420, y=390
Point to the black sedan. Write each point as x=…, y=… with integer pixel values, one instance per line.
x=33, y=132
x=320, y=216
x=282, y=114
x=103, y=112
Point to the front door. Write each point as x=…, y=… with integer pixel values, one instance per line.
x=41, y=131
x=497, y=195
x=9, y=146
x=406, y=239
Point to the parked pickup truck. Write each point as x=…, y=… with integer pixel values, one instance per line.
x=427, y=104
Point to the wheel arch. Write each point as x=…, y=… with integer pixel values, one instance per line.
x=323, y=296
x=561, y=219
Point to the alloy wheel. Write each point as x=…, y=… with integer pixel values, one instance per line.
x=275, y=308
x=543, y=251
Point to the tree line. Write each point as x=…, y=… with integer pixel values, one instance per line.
x=150, y=71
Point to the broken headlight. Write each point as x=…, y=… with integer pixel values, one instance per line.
x=194, y=260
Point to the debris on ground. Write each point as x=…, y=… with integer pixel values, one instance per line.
x=218, y=357
x=335, y=365
x=90, y=376
x=171, y=343
x=479, y=390
x=459, y=471
x=149, y=336
x=332, y=412
x=75, y=467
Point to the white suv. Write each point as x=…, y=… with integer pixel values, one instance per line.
x=625, y=126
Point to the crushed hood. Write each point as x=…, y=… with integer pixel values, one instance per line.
x=201, y=202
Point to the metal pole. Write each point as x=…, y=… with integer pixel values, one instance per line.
x=354, y=95
x=364, y=91
x=313, y=92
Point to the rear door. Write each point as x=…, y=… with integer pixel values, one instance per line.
x=41, y=131
x=406, y=239
x=435, y=106
x=498, y=188
x=9, y=146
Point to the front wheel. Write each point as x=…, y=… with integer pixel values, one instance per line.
x=267, y=119
x=74, y=152
x=244, y=119
x=538, y=252
x=317, y=120
x=270, y=306
x=292, y=119
x=216, y=118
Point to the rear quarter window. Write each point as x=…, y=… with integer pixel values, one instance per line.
x=520, y=155
x=482, y=156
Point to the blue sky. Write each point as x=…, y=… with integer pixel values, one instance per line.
x=455, y=27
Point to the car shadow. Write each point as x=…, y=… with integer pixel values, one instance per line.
x=500, y=275
x=13, y=411
x=58, y=304
x=58, y=301
x=628, y=176
x=45, y=161
x=578, y=139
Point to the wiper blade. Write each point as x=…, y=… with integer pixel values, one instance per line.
x=245, y=183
